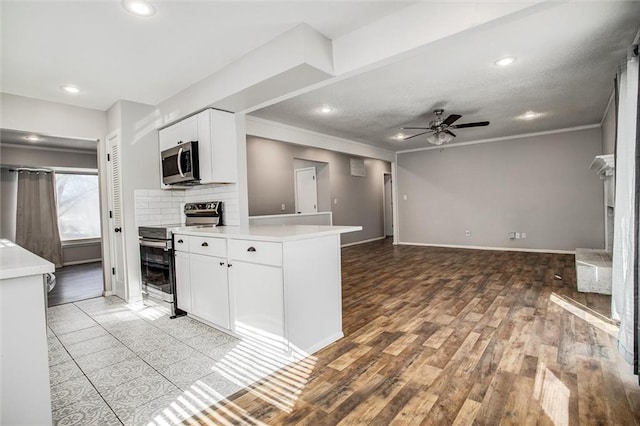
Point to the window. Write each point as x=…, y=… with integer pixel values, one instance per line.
x=78, y=206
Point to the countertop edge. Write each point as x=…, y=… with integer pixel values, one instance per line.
x=245, y=234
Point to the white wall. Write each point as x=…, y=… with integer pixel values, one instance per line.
x=540, y=185
x=50, y=118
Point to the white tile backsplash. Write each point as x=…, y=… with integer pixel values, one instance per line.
x=164, y=207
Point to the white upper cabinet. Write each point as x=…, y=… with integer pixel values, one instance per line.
x=183, y=131
x=217, y=146
x=215, y=132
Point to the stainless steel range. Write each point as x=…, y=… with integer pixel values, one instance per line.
x=157, y=256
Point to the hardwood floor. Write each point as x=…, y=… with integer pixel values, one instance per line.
x=453, y=337
x=77, y=282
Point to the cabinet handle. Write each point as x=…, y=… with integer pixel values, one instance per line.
x=180, y=241
x=221, y=263
x=251, y=249
x=229, y=265
x=204, y=245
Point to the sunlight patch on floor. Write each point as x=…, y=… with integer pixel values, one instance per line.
x=583, y=313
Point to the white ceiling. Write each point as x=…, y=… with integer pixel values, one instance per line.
x=17, y=137
x=567, y=56
x=111, y=54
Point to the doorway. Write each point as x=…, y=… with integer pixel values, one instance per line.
x=388, y=205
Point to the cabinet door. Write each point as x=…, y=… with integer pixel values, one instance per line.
x=189, y=129
x=183, y=281
x=169, y=137
x=258, y=300
x=210, y=289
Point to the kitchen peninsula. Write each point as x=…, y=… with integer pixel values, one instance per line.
x=278, y=284
x=24, y=363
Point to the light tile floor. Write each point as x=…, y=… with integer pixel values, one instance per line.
x=112, y=363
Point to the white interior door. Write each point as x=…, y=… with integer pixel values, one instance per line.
x=118, y=281
x=388, y=206
x=306, y=190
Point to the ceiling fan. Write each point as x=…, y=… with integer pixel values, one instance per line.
x=440, y=128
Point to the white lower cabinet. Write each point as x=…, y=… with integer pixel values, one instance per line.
x=258, y=301
x=285, y=296
x=202, y=287
x=210, y=289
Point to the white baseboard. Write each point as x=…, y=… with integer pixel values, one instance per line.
x=80, y=262
x=107, y=293
x=526, y=250
x=363, y=241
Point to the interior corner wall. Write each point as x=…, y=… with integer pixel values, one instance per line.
x=539, y=185
x=270, y=165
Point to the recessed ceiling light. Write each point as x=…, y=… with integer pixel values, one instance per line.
x=530, y=115
x=507, y=60
x=139, y=7
x=326, y=110
x=32, y=138
x=70, y=88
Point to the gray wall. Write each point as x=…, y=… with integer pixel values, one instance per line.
x=270, y=166
x=16, y=156
x=539, y=185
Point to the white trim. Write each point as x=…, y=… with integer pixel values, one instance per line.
x=606, y=110
x=47, y=148
x=107, y=293
x=80, y=262
x=504, y=138
x=259, y=127
x=526, y=250
x=362, y=242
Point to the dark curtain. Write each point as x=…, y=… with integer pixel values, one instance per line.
x=37, y=216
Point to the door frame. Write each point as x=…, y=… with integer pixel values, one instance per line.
x=109, y=240
x=387, y=200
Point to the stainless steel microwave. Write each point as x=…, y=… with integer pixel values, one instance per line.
x=180, y=164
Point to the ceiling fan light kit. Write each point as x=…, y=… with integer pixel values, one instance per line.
x=439, y=138
x=440, y=128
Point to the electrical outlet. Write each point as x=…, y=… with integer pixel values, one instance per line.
x=283, y=207
x=512, y=235
x=517, y=235
x=335, y=201
x=467, y=232
x=404, y=197
x=523, y=235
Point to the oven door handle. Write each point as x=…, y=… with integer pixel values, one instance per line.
x=156, y=244
x=180, y=162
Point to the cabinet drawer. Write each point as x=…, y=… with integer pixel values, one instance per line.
x=262, y=252
x=181, y=243
x=208, y=246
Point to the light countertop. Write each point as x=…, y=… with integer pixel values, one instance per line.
x=277, y=233
x=17, y=262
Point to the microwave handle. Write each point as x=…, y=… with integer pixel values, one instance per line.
x=180, y=162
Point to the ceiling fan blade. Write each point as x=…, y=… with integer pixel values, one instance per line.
x=415, y=128
x=419, y=134
x=450, y=132
x=450, y=119
x=477, y=124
